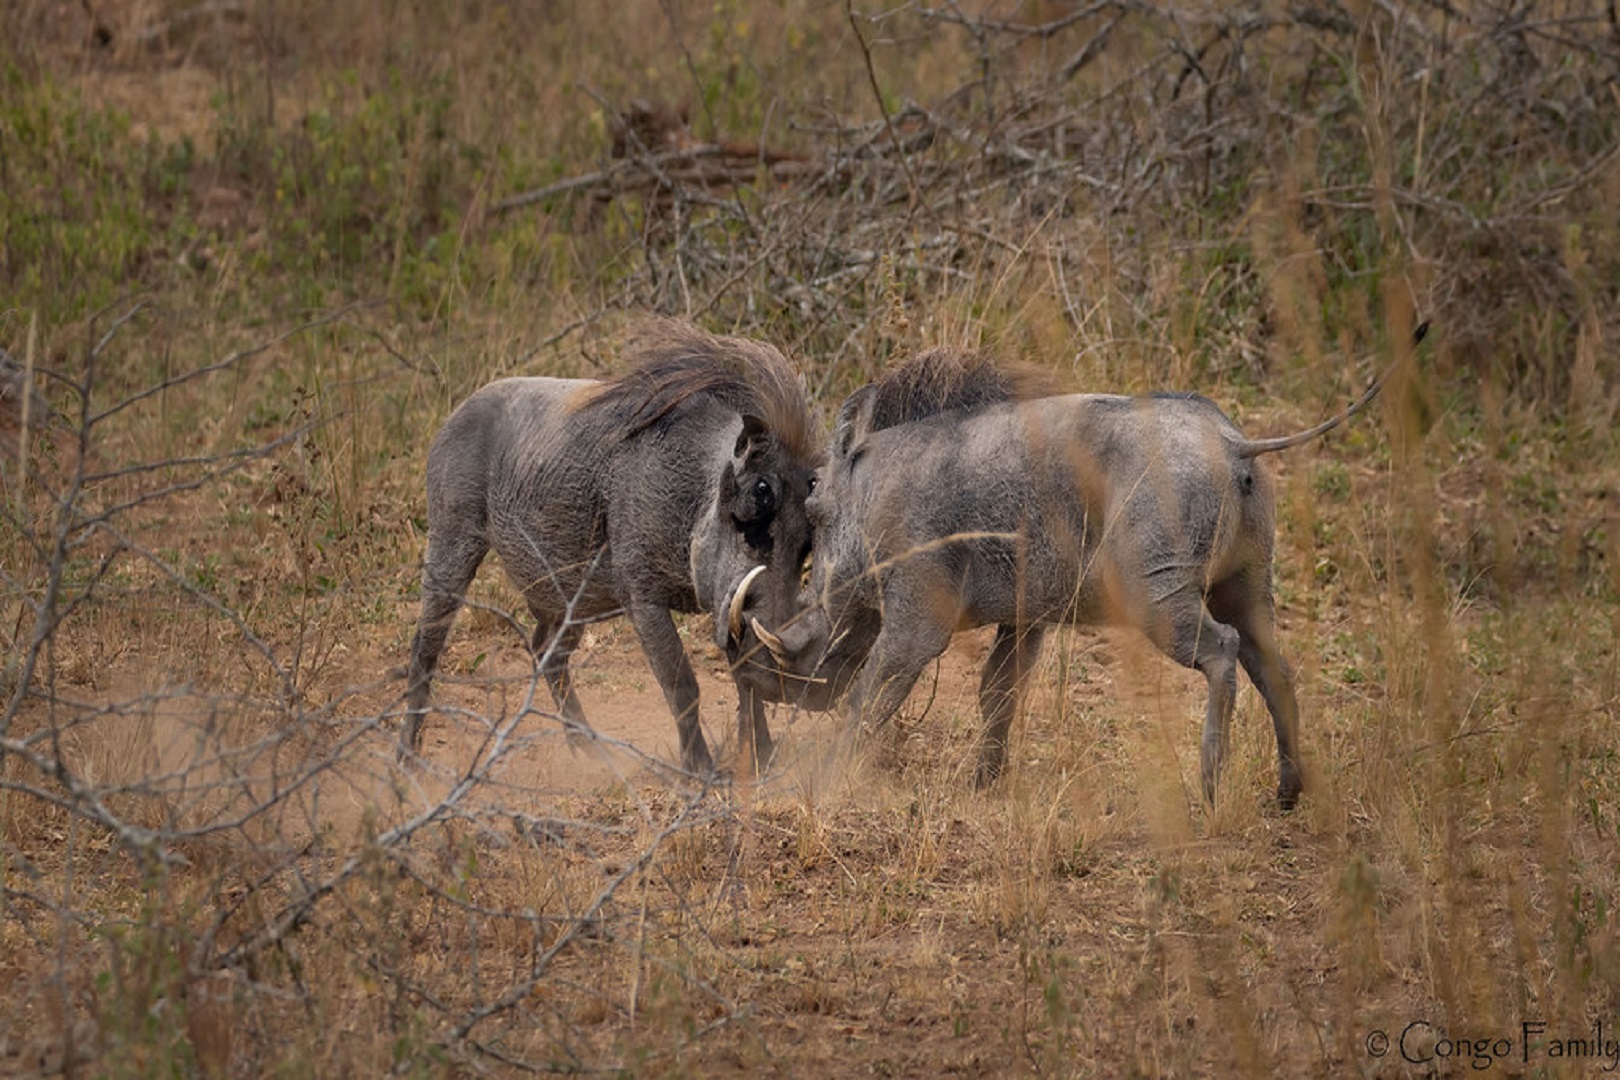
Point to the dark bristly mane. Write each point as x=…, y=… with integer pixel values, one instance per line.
x=946, y=379
x=671, y=362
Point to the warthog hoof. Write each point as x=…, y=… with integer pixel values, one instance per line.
x=578, y=736
x=697, y=760
x=988, y=771
x=1288, y=789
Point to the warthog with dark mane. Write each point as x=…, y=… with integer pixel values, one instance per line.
x=661, y=490
x=952, y=499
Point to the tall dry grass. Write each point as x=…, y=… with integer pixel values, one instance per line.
x=262, y=249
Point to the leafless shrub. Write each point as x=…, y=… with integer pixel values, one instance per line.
x=1433, y=142
x=245, y=818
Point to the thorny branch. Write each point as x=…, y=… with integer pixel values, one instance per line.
x=813, y=230
x=205, y=770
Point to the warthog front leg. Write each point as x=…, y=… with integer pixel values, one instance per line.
x=662, y=644
x=1005, y=671
x=902, y=650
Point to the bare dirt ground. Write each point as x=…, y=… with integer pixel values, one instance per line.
x=883, y=919
x=627, y=710
x=889, y=921
x=1087, y=916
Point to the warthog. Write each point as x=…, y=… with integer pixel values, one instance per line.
x=951, y=500
x=661, y=490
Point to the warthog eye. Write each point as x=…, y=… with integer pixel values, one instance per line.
x=812, y=490
x=754, y=511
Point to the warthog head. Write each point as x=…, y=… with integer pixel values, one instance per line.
x=749, y=551
x=814, y=656
x=749, y=544
x=779, y=641
x=797, y=659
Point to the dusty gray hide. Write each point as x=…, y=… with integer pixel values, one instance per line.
x=661, y=490
x=948, y=503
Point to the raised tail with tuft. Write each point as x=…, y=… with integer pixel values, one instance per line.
x=1250, y=448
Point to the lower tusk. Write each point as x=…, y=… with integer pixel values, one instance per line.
x=734, y=615
x=772, y=642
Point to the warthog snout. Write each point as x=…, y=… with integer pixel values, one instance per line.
x=799, y=663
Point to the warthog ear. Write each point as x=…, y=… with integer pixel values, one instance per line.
x=752, y=438
x=854, y=421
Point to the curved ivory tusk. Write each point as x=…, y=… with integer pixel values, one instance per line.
x=734, y=615
x=772, y=642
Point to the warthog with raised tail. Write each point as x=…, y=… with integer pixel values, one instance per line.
x=952, y=499
x=662, y=490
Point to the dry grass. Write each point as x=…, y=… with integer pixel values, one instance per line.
x=260, y=245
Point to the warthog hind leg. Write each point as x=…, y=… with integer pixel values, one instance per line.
x=1005, y=671
x=553, y=644
x=1251, y=613
x=1197, y=641
x=446, y=572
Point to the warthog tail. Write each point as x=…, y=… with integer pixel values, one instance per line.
x=1249, y=448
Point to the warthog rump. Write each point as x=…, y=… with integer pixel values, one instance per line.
x=953, y=500
x=661, y=490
